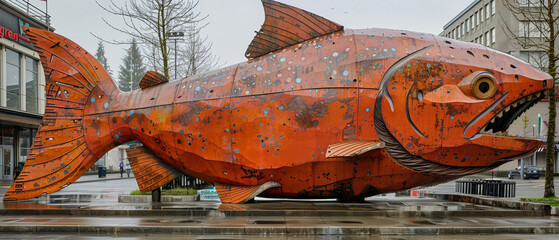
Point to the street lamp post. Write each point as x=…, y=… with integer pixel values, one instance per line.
x=175, y=36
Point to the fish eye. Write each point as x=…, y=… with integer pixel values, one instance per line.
x=484, y=87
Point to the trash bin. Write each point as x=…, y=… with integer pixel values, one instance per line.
x=102, y=172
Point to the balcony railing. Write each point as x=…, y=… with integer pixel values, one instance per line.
x=29, y=9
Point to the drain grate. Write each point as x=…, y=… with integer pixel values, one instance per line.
x=269, y=222
x=351, y=222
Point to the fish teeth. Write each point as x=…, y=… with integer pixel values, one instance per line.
x=507, y=108
x=514, y=104
x=492, y=120
x=500, y=114
x=529, y=97
x=538, y=94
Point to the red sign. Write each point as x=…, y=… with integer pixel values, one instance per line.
x=6, y=33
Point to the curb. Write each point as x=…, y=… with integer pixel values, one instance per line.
x=164, y=198
x=542, y=209
x=266, y=213
x=278, y=230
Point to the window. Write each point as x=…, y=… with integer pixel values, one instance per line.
x=462, y=29
x=472, y=21
x=26, y=137
x=492, y=7
x=481, y=39
x=13, y=79
x=492, y=35
x=476, y=19
x=31, y=85
x=529, y=3
x=532, y=29
x=487, y=41
x=466, y=26
x=481, y=15
x=487, y=11
x=536, y=58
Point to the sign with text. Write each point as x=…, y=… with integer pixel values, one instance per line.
x=208, y=194
x=7, y=33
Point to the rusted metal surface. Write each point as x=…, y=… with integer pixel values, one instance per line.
x=150, y=171
x=439, y=107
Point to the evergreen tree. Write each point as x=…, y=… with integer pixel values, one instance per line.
x=100, y=56
x=132, y=69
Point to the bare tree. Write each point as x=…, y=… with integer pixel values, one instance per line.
x=538, y=25
x=195, y=56
x=151, y=22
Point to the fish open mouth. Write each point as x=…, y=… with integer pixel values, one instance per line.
x=499, y=124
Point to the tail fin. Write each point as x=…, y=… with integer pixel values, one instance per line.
x=60, y=153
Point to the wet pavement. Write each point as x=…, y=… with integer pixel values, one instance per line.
x=90, y=209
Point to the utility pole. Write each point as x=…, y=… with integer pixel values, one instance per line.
x=175, y=36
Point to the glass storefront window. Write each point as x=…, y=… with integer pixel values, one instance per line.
x=31, y=85
x=13, y=77
x=25, y=141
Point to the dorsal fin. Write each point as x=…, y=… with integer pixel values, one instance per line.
x=285, y=26
x=152, y=79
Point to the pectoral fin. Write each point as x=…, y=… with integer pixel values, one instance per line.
x=150, y=171
x=352, y=148
x=241, y=194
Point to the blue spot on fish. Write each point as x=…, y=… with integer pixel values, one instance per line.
x=197, y=88
x=346, y=73
x=335, y=54
x=181, y=131
x=367, y=110
x=259, y=69
x=298, y=80
x=428, y=65
x=393, y=49
x=92, y=99
x=116, y=136
x=283, y=59
x=266, y=112
x=131, y=112
x=451, y=117
x=106, y=105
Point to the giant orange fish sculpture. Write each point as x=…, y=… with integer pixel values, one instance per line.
x=316, y=112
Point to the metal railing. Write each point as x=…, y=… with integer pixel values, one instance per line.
x=494, y=188
x=186, y=181
x=29, y=9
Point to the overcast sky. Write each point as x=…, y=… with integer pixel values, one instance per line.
x=232, y=23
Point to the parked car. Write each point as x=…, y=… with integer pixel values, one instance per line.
x=529, y=172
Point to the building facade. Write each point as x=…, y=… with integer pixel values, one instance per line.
x=492, y=24
x=22, y=85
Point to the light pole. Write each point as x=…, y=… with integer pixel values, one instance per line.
x=175, y=36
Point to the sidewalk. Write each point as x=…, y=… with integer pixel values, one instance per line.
x=276, y=225
x=95, y=177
